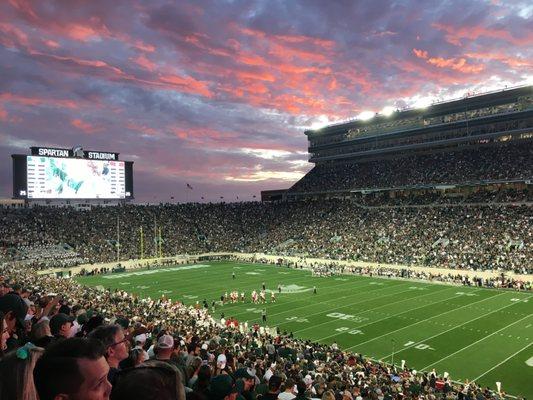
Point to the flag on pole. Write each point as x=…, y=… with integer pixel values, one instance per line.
x=189, y=186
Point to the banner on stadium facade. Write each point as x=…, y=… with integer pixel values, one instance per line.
x=75, y=152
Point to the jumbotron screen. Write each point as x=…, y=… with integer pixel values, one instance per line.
x=70, y=178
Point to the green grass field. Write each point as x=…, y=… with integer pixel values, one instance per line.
x=474, y=334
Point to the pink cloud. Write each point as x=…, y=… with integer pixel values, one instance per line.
x=37, y=101
x=3, y=114
x=187, y=84
x=144, y=62
x=458, y=64
x=455, y=34
x=84, y=126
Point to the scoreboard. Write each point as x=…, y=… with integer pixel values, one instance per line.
x=71, y=174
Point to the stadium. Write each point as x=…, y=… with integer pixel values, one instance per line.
x=198, y=207
x=405, y=252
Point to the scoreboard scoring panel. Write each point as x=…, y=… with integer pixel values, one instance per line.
x=74, y=178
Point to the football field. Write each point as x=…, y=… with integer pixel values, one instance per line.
x=476, y=334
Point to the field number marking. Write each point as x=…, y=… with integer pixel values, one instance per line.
x=466, y=294
x=345, y=329
x=297, y=319
x=522, y=300
x=530, y=362
x=346, y=317
x=420, y=346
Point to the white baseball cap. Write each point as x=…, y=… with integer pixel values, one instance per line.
x=165, y=342
x=221, y=361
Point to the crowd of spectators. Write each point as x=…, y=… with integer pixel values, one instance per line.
x=462, y=237
x=331, y=268
x=502, y=162
x=97, y=344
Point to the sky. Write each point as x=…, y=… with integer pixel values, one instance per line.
x=218, y=94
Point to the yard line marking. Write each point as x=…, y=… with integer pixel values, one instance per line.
x=353, y=304
x=477, y=341
x=391, y=316
x=504, y=361
x=424, y=320
x=455, y=327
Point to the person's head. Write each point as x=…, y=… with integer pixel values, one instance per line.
x=274, y=383
x=16, y=373
x=73, y=369
x=114, y=341
x=165, y=346
x=247, y=376
x=157, y=380
x=289, y=385
x=204, y=375
x=4, y=333
x=14, y=309
x=328, y=395
x=222, y=387
x=16, y=288
x=41, y=329
x=60, y=325
x=5, y=288
x=301, y=387
x=135, y=358
x=194, y=348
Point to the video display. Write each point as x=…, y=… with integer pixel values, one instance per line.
x=71, y=178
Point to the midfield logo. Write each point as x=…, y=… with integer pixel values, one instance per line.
x=292, y=289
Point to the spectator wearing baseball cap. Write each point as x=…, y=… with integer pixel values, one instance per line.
x=221, y=364
x=60, y=325
x=245, y=380
x=222, y=387
x=116, y=345
x=163, y=350
x=15, y=310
